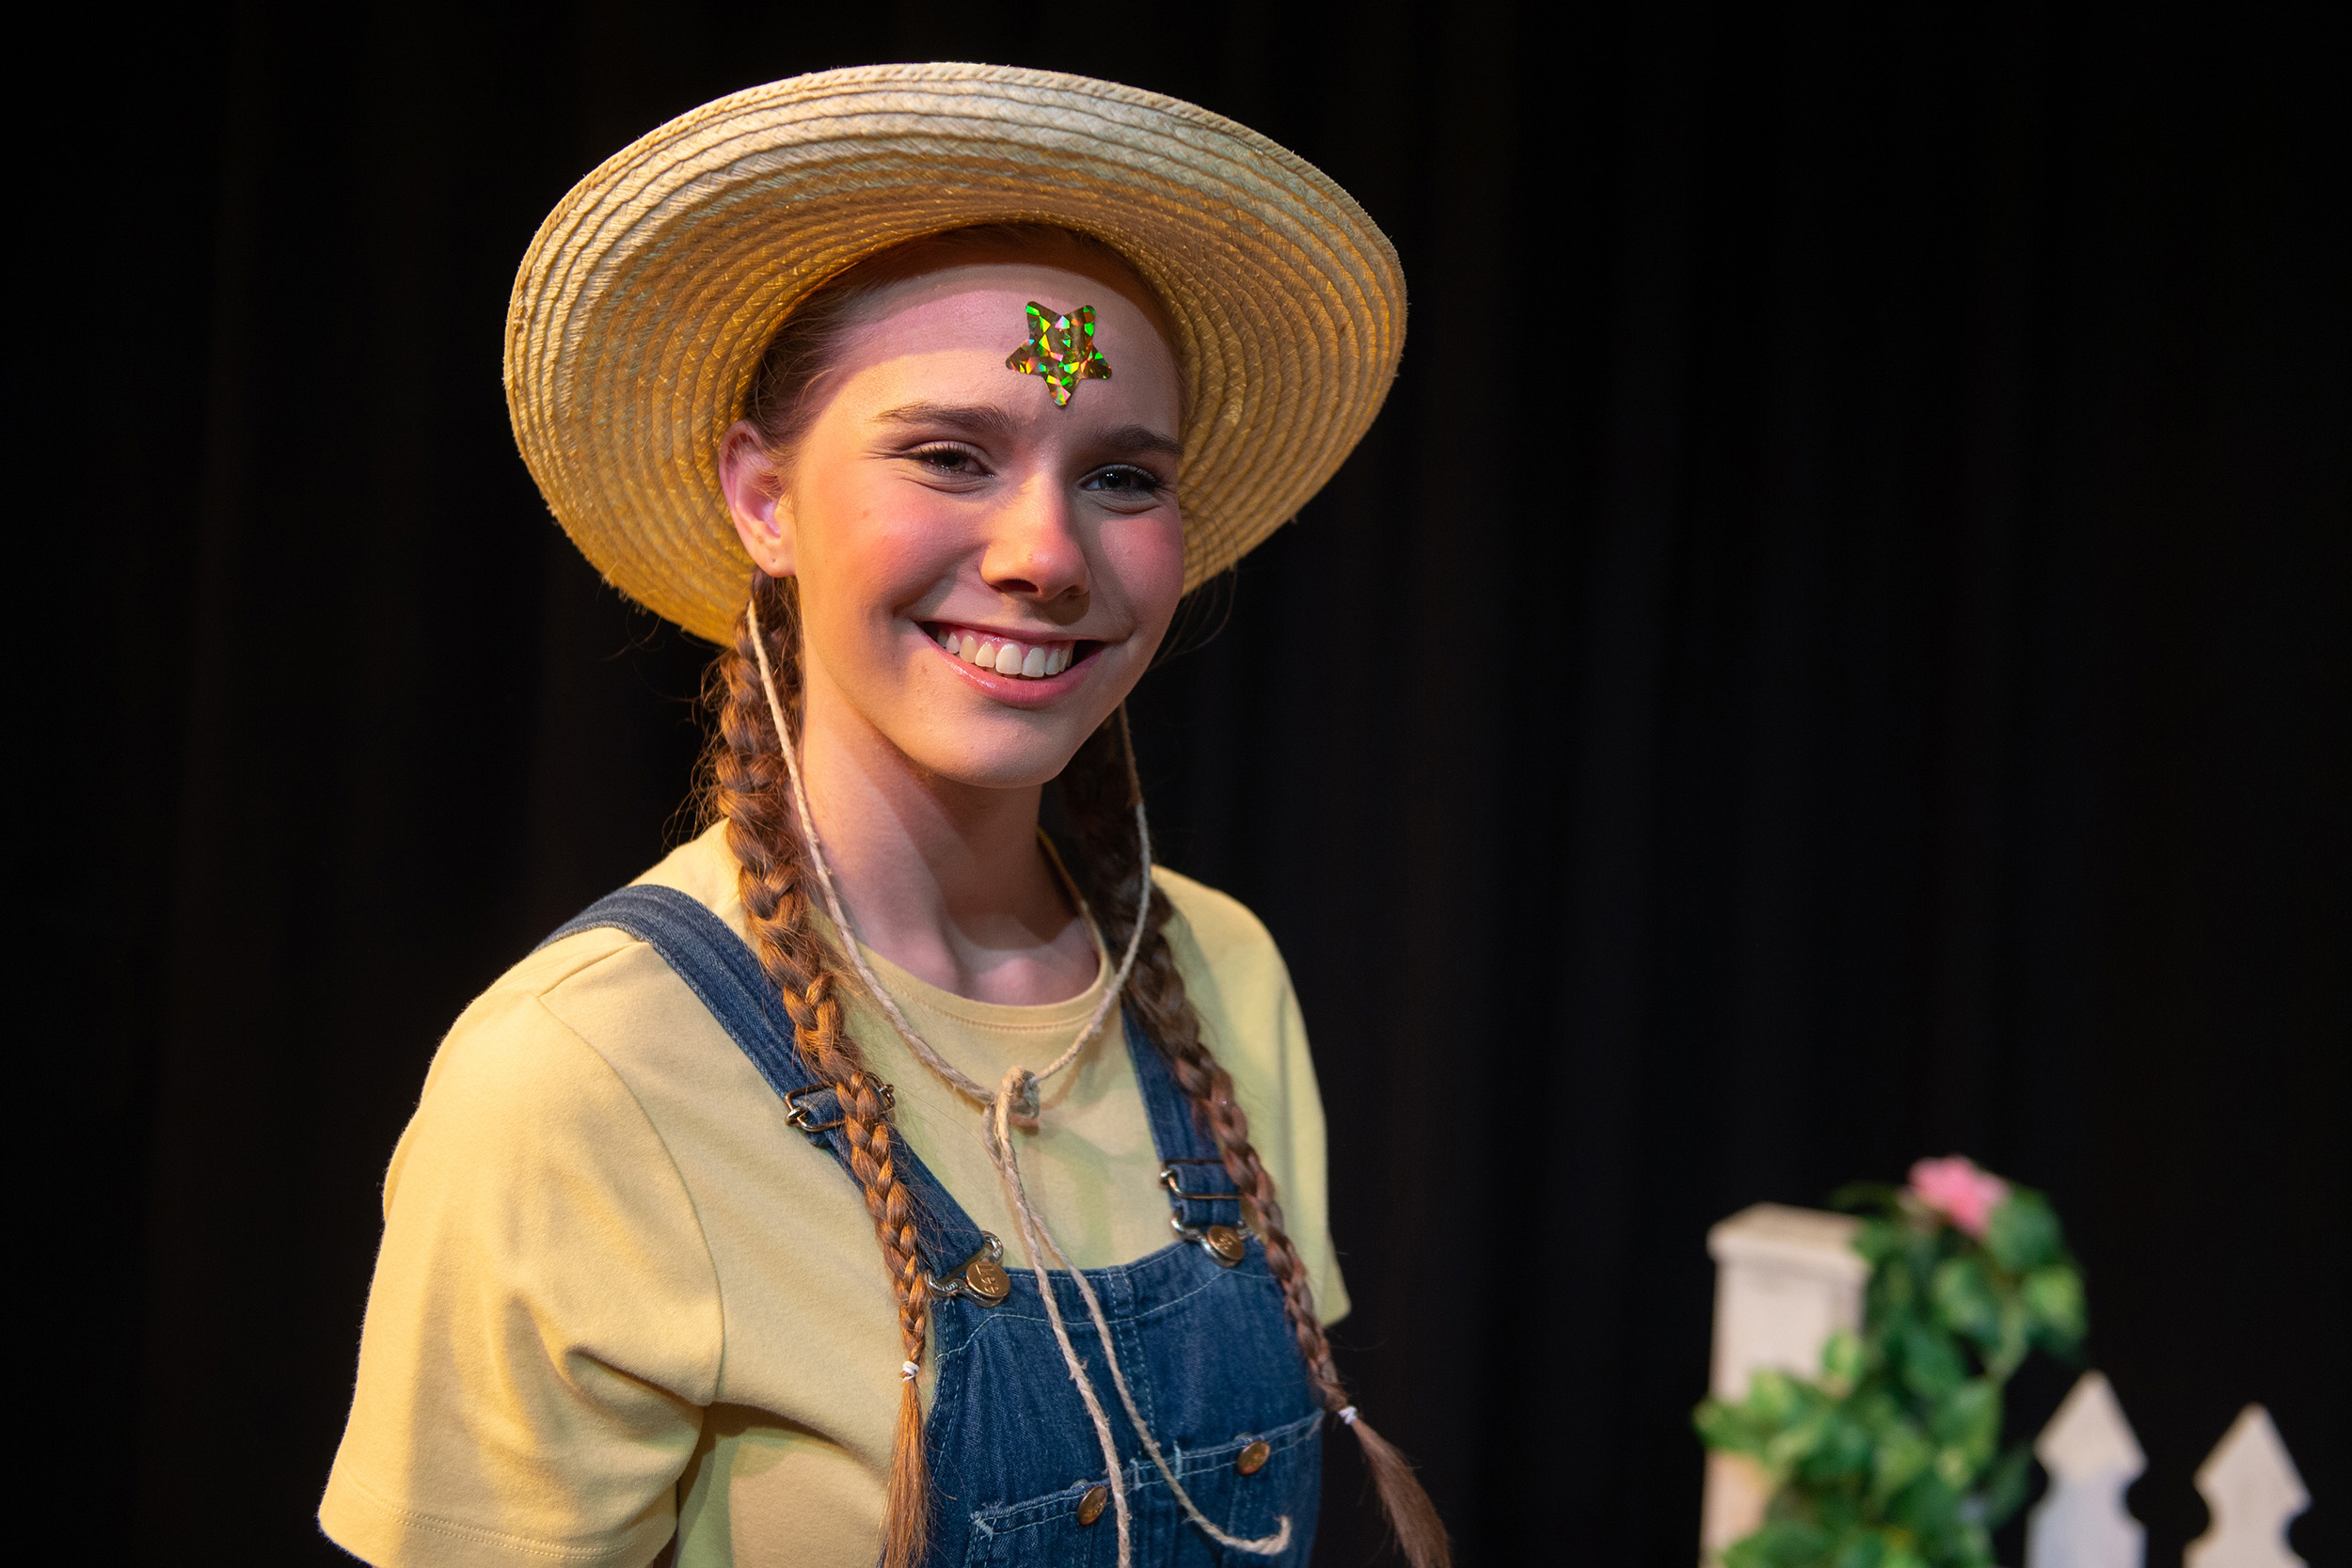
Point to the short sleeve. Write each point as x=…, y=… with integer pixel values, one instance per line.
x=544, y=1328
x=1250, y=1018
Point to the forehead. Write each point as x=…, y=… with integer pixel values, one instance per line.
x=982, y=309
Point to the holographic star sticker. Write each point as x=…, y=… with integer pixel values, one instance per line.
x=1061, y=349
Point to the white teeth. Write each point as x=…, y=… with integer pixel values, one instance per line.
x=1007, y=658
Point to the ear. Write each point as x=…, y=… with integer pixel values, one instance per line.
x=756, y=499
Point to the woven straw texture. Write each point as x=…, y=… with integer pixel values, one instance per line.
x=646, y=298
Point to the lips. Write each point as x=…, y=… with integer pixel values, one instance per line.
x=1004, y=656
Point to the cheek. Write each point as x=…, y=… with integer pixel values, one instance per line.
x=1146, y=557
x=874, y=550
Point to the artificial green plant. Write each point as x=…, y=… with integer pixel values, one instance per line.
x=1892, y=1457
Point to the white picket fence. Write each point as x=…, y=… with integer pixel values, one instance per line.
x=1786, y=1279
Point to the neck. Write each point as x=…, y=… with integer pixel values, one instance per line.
x=945, y=878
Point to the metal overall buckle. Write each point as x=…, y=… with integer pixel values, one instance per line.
x=800, y=1115
x=1224, y=1243
x=980, y=1278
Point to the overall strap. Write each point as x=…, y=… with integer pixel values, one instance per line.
x=1201, y=1192
x=726, y=977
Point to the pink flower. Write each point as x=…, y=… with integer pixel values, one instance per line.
x=1960, y=1192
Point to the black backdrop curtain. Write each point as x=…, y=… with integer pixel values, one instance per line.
x=1836, y=650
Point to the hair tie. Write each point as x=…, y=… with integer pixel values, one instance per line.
x=1347, y=1415
x=908, y=1370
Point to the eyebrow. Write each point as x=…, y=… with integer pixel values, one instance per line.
x=1135, y=438
x=982, y=419
x=978, y=418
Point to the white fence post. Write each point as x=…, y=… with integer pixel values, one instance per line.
x=1786, y=1279
x=2251, y=1489
x=2091, y=1456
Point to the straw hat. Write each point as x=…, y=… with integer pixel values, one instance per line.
x=646, y=298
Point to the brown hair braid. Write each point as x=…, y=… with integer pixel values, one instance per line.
x=745, y=786
x=1098, y=791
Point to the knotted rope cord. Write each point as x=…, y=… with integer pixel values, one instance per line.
x=1018, y=1095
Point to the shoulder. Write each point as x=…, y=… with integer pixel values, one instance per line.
x=555, y=1041
x=509, y=1042
x=522, y=1083
x=1240, y=988
x=1218, y=940
x=602, y=987
x=1235, y=977
x=544, y=1023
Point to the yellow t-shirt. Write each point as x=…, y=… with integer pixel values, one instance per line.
x=618, y=1296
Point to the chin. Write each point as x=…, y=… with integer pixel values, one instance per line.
x=999, y=760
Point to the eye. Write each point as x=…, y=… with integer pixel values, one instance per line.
x=946, y=459
x=1122, y=479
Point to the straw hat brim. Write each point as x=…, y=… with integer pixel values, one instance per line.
x=642, y=310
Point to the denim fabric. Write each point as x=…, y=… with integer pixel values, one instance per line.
x=1206, y=1350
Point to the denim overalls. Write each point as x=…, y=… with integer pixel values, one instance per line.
x=1016, y=1468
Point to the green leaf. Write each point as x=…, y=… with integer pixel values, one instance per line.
x=1930, y=1363
x=1927, y=1508
x=1855, y=1196
x=1725, y=1427
x=1878, y=1239
x=1843, y=1447
x=1774, y=1396
x=1964, y=1299
x=2054, y=1296
x=1867, y=1550
x=1902, y=1454
x=2004, y=1487
x=1783, y=1544
x=1970, y=1421
x=1844, y=1360
x=1896, y=1283
x=1834, y=1511
x=1796, y=1444
x=1953, y=1468
x=2023, y=1233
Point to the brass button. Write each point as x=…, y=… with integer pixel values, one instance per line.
x=986, y=1278
x=1253, y=1458
x=1225, y=1244
x=1090, y=1506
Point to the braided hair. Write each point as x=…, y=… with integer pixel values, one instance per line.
x=745, y=788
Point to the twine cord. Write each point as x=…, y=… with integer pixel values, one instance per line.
x=1016, y=1101
x=1000, y=1135
x=1264, y=1546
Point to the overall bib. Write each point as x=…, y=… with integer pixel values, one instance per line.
x=1016, y=1466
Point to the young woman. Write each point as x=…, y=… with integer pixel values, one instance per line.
x=927, y=392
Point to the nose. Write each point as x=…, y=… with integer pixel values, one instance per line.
x=1034, y=551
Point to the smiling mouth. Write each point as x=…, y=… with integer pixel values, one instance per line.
x=1007, y=656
